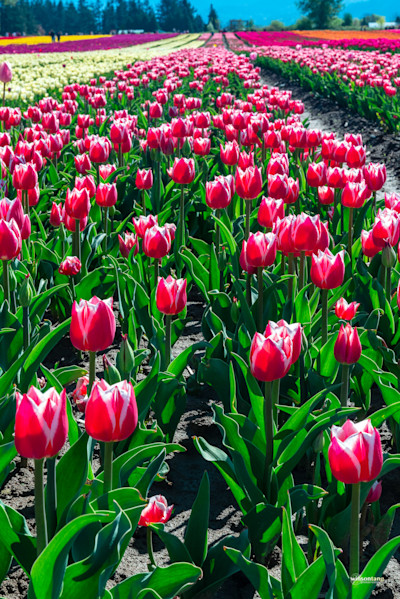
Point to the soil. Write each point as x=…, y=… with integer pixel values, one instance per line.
x=186, y=469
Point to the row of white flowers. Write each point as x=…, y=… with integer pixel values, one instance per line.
x=38, y=74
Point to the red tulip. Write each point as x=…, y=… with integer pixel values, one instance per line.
x=278, y=187
x=202, y=146
x=355, y=453
x=355, y=156
x=5, y=72
x=244, y=262
x=86, y=182
x=270, y=357
x=105, y=170
x=10, y=240
x=355, y=194
x=278, y=165
x=283, y=330
x=70, y=266
x=347, y=349
x=248, y=182
x=92, y=324
x=316, y=174
x=375, y=492
x=157, y=510
x=218, y=193
x=335, y=177
x=156, y=242
x=293, y=191
x=128, y=243
x=106, y=195
x=144, y=179
x=56, y=216
x=111, y=411
x=369, y=247
x=99, y=150
x=326, y=195
x=344, y=310
x=171, y=295
x=182, y=171
x=327, y=270
x=305, y=232
x=261, y=249
x=269, y=211
x=386, y=228
x=230, y=154
x=24, y=176
x=41, y=423
x=142, y=223
x=77, y=203
x=245, y=160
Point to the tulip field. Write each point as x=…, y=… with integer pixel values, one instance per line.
x=175, y=238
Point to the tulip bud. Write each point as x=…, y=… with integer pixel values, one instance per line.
x=125, y=357
x=111, y=373
x=26, y=292
x=156, y=511
x=388, y=257
x=375, y=492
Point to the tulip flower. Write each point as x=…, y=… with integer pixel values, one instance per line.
x=41, y=428
x=142, y=223
x=5, y=73
x=111, y=415
x=248, y=182
x=86, y=182
x=128, y=243
x=156, y=244
x=218, y=193
x=10, y=247
x=77, y=203
x=99, y=150
x=92, y=328
x=170, y=299
x=375, y=176
x=316, y=174
x=326, y=195
x=82, y=164
x=347, y=347
x=182, y=172
x=375, y=492
x=345, y=310
x=270, y=360
x=327, y=272
x=106, y=195
x=270, y=211
x=79, y=394
x=355, y=456
x=70, y=266
x=156, y=511
x=230, y=153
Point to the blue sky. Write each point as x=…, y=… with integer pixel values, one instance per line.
x=263, y=12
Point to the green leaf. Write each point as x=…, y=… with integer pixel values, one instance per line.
x=179, y=364
x=256, y=573
x=54, y=558
x=362, y=589
x=16, y=537
x=293, y=559
x=310, y=582
x=196, y=535
x=328, y=554
x=167, y=581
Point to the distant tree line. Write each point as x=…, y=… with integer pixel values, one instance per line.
x=85, y=16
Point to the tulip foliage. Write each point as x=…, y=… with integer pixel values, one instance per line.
x=179, y=181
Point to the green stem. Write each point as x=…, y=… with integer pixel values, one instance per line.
x=26, y=326
x=108, y=467
x=158, y=204
x=4, y=94
x=217, y=234
x=168, y=319
x=72, y=286
x=301, y=269
x=290, y=272
x=156, y=271
x=350, y=234
x=144, y=201
x=51, y=497
x=182, y=216
x=388, y=283
x=374, y=205
x=355, y=530
x=248, y=215
x=62, y=235
x=150, y=547
x=92, y=370
x=324, y=319
x=105, y=228
x=40, y=513
x=6, y=281
x=97, y=165
x=248, y=289
x=344, y=392
x=78, y=238
x=271, y=397
x=260, y=303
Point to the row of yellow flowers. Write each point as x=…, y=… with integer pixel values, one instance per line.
x=33, y=40
x=38, y=74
